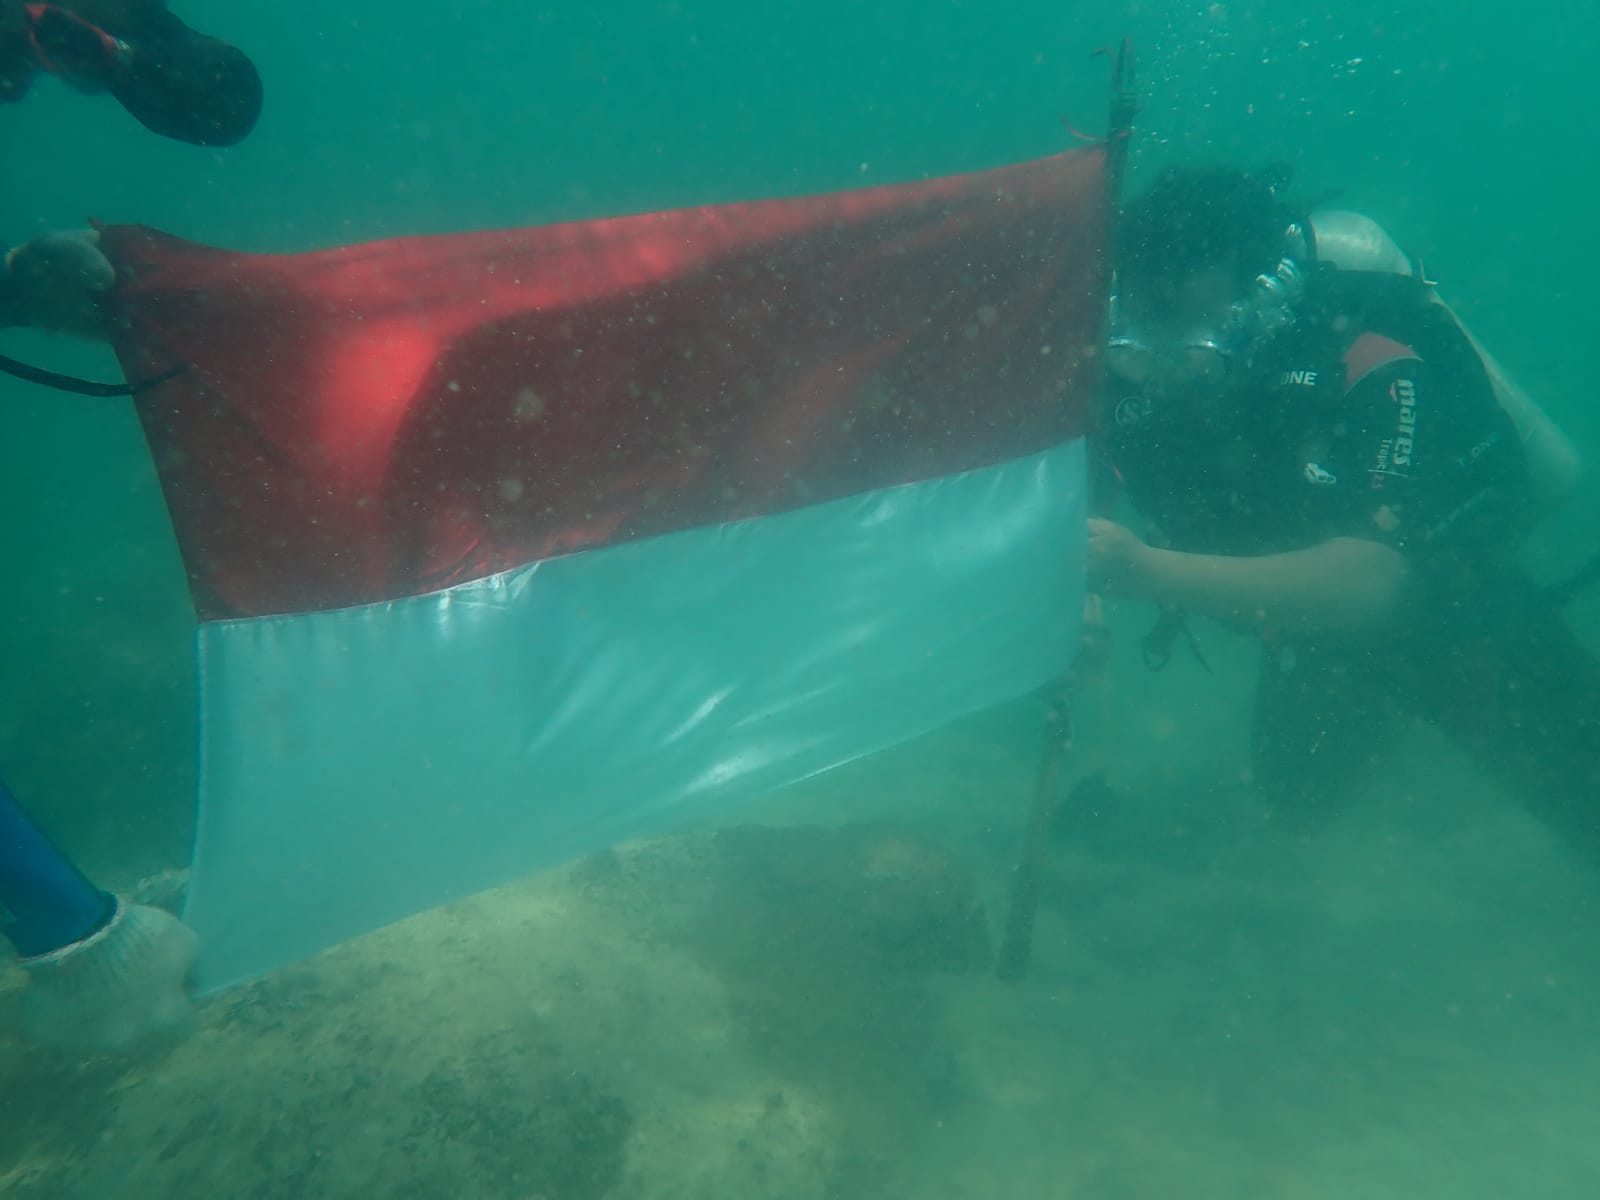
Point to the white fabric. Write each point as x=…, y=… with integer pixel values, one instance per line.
x=362, y=765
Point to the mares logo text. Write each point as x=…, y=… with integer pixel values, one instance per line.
x=1404, y=393
x=1395, y=453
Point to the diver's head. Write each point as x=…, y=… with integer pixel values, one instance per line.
x=1206, y=269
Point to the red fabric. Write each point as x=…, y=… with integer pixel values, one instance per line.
x=380, y=420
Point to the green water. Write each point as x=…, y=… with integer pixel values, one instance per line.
x=1402, y=1008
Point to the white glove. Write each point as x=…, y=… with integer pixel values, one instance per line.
x=55, y=282
x=118, y=987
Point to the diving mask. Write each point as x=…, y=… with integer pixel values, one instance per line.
x=1168, y=361
x=1167, y=358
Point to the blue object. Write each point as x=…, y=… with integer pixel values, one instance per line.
x=45, y=901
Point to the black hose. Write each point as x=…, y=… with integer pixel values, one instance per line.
x=82, y=387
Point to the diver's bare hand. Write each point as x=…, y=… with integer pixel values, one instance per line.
x=1117, y=558
x=55, y=282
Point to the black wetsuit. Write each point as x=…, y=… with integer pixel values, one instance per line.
x=176, y=82
x=1374, y=418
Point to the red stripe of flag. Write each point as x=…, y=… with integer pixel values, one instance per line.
x=384, y=419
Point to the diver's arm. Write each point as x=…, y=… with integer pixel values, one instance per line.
x=45, y=902
x=1345, y=584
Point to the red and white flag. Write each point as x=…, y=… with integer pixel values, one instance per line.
x=506, y=546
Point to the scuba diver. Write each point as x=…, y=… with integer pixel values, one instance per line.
x=1329, y=461
x=174, y=81
x=104, y=973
